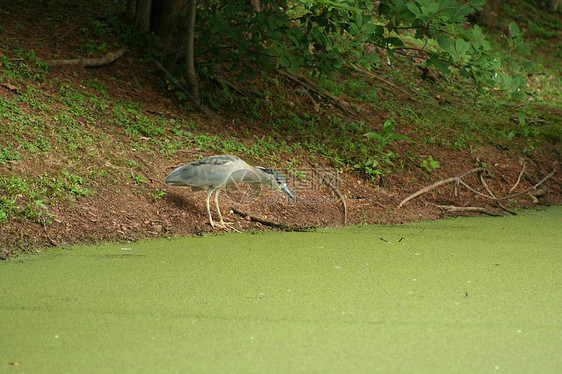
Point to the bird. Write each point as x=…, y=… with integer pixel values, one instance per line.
x=215, y=172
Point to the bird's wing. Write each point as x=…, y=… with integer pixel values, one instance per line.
x=212, y=171
x=217, y=160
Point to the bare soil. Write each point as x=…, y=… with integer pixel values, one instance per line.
x=121, y=213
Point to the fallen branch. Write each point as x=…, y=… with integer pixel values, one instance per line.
x=367, y=72
x=327, y=182
x=471, y=209
x=271, y=223
x=91, y=62
x=528, y=189
x=440, y=183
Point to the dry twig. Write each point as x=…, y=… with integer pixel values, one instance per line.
x=307, y=83
x=327, y=182
x=492, y=195
x=456, y=179
x=53, y=242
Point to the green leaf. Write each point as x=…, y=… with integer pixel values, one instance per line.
x=434, y=7
x=414, y=9
x=477, y=4
x=445, y=42
x=396, y=136
x=521, y=118
x=367, y=61
x=441, y=65
x=514, y=30
x=462, y=46
x=521, y=49
x=394, y=41
x=359, y=19
x=373, y=135
x=517, y=82
x=510, y=135
x=369, y=28
x=477, y=37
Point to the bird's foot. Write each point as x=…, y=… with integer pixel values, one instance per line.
x=228, y=226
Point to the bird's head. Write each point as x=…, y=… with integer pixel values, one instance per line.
x=277, y=181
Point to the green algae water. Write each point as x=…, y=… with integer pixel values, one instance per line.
x=470, y=295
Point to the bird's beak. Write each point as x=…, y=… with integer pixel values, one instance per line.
x=288, y=192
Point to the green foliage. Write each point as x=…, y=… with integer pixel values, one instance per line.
x=385, y=136
x=27, y=198
x=138, y=178
x=90, y=46
x=24, y=64
x=381, y=161
x=328, y=36
x=462, y=48
x=35, y=211
x=525, y=132
x=6, y=154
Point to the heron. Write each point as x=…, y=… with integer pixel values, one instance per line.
x=215, y=172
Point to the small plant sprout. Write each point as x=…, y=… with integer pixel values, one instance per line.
x=429, y=164
x=378, y=164
x=157, y=194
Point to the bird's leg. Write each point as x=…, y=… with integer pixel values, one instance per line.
x=226, y=225
x=209, y=208
x=217, y=205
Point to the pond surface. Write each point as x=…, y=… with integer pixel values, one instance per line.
x=465, y=295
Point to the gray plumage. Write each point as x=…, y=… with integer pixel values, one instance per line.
x=215, y=172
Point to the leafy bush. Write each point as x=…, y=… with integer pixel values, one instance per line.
x=328, y=36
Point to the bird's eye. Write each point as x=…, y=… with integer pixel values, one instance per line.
x=278, y=182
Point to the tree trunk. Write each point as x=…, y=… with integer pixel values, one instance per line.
x=189, y=52
x=131, y=10
x=161, y=17
x=166, y=21
x=142, y=14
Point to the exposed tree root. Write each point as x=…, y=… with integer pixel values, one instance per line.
x=519, y=177
x=541, y=189
x=91, y=62
x=458, y=181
